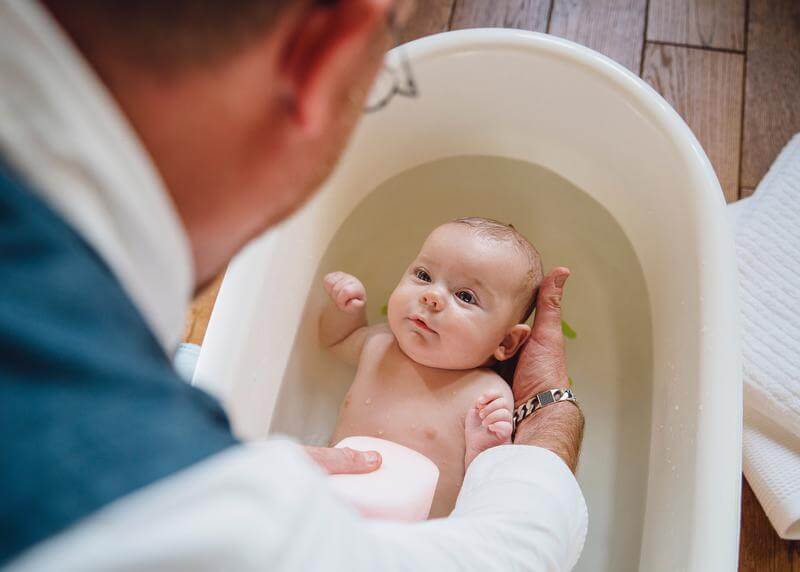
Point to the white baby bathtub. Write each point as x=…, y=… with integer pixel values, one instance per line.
x=598, y=171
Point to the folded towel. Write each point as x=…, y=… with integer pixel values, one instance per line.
x=771, y=463
x=768, y=255
x=768, y=251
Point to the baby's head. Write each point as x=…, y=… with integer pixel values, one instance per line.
x=463, y=301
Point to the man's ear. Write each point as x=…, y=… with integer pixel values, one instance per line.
x=332, y=45
x=512, y=342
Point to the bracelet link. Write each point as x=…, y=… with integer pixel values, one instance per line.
x=540, y=400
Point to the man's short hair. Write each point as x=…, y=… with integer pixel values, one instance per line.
x=168, y=34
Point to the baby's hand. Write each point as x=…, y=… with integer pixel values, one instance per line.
x=346, y=291
x=488, y=424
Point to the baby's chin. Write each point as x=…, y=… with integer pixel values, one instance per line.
x=416, y=350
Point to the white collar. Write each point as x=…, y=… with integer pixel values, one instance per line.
x=64, y=132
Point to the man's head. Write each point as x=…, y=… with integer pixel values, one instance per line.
x=463, y=300
x=244, y=106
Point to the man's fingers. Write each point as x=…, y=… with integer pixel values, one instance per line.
x=336, y=461
x=547, y=320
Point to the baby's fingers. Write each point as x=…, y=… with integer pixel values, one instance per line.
x=494, y=405
x=332, y=279
x=502, y=429
x=488, y=397
x=350, y=295
x=502, y=414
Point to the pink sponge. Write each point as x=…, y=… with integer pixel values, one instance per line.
x=401, y=489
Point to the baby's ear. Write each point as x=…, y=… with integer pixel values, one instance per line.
x=512, y=342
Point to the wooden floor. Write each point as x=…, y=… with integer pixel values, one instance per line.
x=731, y=68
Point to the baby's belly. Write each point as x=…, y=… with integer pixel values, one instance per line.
x=428, y=428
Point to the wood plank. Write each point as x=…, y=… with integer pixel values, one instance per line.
x=760, y=547
x=429, y=17
x=702, y=23
x=612, y=27
x=772, y=91
x=200, y=312
x=523, y=14
x=705, y=88
x=745, y=192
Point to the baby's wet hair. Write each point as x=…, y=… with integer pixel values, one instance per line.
x=497, y=230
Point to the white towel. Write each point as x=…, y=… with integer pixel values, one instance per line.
x=768, y=255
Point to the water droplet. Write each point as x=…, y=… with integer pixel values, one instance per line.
x=661, y=426
x=700, y=407
x=367, y=401
x=677, y=407
x=703, y=330
x=380, y=432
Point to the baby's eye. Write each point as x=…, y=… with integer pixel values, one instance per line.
x=422, y=275
x=465, y=296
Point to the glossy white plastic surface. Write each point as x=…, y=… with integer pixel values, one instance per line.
x=662, y=338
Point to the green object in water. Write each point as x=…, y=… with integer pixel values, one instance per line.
x=384, y=309
x=568, y=331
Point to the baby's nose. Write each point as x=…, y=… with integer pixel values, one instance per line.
x=432, y=300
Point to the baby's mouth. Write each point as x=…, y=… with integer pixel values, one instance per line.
x=421, y=324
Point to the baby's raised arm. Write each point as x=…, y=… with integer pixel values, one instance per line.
x=343, y=324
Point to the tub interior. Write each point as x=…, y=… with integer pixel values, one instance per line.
x=604, y=177
x=606, y=303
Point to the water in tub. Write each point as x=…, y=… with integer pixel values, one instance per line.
x=606, y=303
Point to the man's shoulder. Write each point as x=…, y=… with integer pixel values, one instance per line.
x=56, y=289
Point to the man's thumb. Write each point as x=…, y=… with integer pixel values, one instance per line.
x=548, y=305
x=337, y=461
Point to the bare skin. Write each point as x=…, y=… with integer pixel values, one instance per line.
x=425, y=409
x=291, y=97
x=542, y=366
x=422, y=379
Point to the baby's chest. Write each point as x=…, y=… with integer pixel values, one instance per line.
x=389, y=399
x=388, y=405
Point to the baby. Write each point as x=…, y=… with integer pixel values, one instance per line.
x=425, y=378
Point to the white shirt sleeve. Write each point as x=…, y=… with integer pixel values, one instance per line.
x=266, y=506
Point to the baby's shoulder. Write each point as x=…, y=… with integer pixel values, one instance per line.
x=480, y=380
x=377, y=340
x=379, y=335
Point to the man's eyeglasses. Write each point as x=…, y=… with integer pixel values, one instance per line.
x=395, y=78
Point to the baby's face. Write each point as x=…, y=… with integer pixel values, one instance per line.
x=458, y=299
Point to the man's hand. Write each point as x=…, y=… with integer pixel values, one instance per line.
x=542, y=366
x=344, y=460
x=542, y=363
